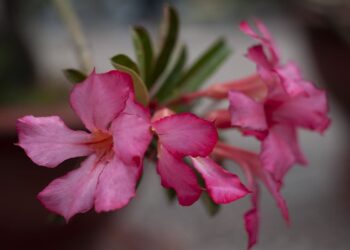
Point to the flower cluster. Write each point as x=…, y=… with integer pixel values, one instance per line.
x=269, y=105
x=121, y=130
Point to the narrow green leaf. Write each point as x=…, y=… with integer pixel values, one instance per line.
x=211, y=207
x=141, y=92
x=167, y=88
x=144, y=52
x=74, y=76
x=205, y=66
x=169, y=38
x=125, y=61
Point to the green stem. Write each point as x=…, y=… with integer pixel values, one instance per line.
x=72, y=23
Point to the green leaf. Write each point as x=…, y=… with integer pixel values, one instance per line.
x=205, y=66
x=74, y=76
x=124, y=60
x=167, y=88
x=211, y=207
x=141, y=92
x=169, y=37
x=144, y=52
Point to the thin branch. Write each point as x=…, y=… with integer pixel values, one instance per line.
x=72, y=23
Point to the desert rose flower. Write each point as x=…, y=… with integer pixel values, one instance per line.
x=119, y=134
x=289, y=103
x=186, y=135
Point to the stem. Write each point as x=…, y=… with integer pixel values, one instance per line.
x=72, y=23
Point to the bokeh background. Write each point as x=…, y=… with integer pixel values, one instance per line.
x=34, y=48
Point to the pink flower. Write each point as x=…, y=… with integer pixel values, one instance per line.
x=119, y=134
x=182, y=135
x=120, y=131
x=267, y=59
x=254, y=171
x=289, y=103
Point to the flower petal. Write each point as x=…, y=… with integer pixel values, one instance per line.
x=186, y=134
x=246, y=113
x=131, y=133
x=74, y=192
x=223, y=186
x=280, y=150
x=253, y=169
x=273, y=186
x=176, y=174
x=291, y=79
x=256, y=54
x=308, y=111
x=264, y=37
x=116, y=185
x=252, y=219
x=162, y=113
x=48, y=141
x=100, y=98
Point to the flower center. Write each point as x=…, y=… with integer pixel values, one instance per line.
x=102, y=142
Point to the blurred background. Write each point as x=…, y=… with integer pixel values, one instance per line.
x=34, y=48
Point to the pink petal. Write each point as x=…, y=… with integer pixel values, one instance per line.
x=246, y=113
x=250, y=163
x=48, y=141
x=264, y=67
x=100, y=98
x=132, y=133
x=162, y=113
x=251, y=222
x=268, y=41
x=74, y=192
x=253, y=169
x=291, y=79
x=245, y=28
x=273, y=186
x=186, y=134
x=176, y=174
x=264, y=37
x=280, y=150
x=252, y=219
x=132, y=107
x=256, y=54
x=223, y=186
x=116, y=185
x=263, y=30
x=308, y=111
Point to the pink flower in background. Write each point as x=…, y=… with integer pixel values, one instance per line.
x=254, y=171
x=289, y=103
x=185, y=134
x=119, y=134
